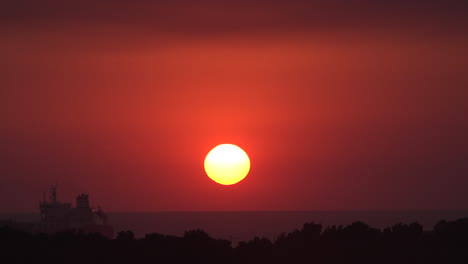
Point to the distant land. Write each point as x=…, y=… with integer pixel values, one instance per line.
x=245, y=225
x=357, y=242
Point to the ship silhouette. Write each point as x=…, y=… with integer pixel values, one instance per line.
x=56, y=216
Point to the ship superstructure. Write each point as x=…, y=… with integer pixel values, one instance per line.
x=56, y=216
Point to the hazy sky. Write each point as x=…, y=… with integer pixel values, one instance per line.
x=341, y=105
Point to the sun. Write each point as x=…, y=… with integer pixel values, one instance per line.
x=227, y=164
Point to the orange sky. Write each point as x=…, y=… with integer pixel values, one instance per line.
x=338, y=106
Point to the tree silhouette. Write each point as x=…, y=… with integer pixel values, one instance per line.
x=354, y=243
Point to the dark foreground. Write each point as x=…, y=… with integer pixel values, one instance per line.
x=355, y=243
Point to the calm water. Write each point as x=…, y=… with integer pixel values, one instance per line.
x=238, y=226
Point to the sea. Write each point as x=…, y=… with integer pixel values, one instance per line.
x=242, y=226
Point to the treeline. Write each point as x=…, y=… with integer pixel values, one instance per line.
x=355, y=243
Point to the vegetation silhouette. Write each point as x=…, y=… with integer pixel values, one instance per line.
x=354, y=243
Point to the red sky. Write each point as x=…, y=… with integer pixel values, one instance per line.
x=340, y=105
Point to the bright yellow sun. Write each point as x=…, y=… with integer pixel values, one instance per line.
x=227, y=164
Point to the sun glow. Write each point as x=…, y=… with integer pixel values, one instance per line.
x=227, y=164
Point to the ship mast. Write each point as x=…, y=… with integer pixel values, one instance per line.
x=53, y=193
